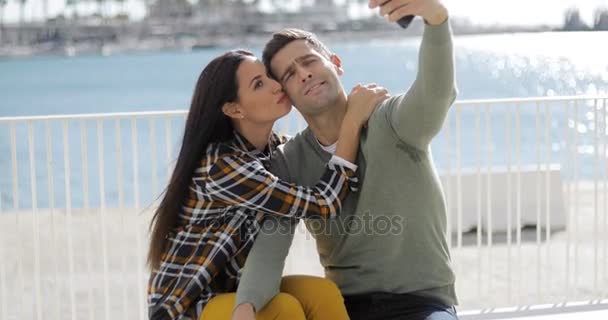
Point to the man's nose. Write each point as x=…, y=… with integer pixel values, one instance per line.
x=306, y=78
x=304, y=75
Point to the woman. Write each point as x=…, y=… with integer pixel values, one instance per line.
x=220, y=190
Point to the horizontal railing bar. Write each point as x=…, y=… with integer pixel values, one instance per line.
x=96, y=116
x=176, y=112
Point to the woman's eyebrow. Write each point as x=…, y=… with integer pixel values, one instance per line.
x=254, y=79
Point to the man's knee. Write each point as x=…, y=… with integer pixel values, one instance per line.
x=445, y=314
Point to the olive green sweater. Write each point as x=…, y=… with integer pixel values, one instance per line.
x=391, y=235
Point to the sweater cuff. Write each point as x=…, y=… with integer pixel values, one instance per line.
x=438, y=34
x=255, y=298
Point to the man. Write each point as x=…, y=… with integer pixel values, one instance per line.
x=404, y=273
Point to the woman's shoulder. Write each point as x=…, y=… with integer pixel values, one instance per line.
x=221, y=150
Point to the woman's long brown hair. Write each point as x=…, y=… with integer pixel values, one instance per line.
x=206, y=123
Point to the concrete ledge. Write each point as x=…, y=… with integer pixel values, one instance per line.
x=535, y=194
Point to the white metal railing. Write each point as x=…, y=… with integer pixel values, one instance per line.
x=583, y=147
x=76, y=193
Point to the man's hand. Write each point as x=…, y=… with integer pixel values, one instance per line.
x=433, y=11
x=243, y=311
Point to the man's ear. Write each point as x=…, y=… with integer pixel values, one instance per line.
x=335, y=59
x=233, y=110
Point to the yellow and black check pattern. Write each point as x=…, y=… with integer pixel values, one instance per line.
x=219, y=221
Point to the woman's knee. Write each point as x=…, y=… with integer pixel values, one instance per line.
x=320, y=298
x=318, y=288
x=282, y=307
x=219, y=308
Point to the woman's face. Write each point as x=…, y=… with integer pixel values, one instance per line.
x=260, y=98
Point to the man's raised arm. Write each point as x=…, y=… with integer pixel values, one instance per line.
x=418, y=115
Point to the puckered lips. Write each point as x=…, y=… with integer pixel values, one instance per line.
x=282, y=98
x=313, y=88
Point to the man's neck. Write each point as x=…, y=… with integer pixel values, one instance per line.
x=326, y=126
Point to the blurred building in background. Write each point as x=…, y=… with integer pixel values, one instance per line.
x=205, y=23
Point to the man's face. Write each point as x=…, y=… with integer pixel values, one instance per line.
x=310, y=79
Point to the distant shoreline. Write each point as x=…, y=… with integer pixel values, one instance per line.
x=103, y=40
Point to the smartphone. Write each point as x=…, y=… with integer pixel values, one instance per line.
x=403, y=22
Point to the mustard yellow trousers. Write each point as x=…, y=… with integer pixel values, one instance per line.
x=301, y=298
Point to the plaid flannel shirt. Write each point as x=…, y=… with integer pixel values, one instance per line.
x=219, y=221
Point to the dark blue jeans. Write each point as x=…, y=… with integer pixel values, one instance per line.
x=391, y=306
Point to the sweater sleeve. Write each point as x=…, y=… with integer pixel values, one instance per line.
x=417, y=116
x=263, y=271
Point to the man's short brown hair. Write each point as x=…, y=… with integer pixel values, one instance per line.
x=284, y=37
